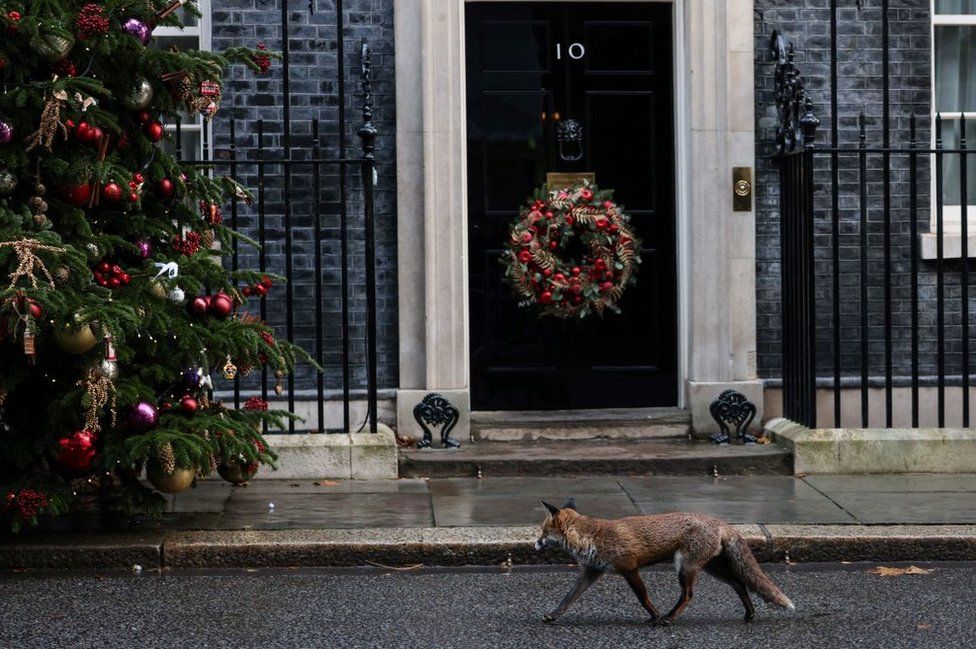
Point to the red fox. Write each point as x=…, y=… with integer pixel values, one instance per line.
x=696, y=542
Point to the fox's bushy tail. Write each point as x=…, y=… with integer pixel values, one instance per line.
x=746, y=568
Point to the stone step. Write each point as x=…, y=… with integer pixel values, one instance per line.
x=547, y=458
x=563, y=425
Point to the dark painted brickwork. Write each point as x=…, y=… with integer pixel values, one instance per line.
x=314, y=91
x=807, y=24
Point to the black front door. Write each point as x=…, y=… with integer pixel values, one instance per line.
x=531, y=65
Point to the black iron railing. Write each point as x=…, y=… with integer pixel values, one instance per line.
x=864, y=312
x=307, y=215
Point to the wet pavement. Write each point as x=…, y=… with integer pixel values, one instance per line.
x=837, y=606
x=514, y=501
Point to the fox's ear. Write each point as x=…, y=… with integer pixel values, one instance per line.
x=552, y=509
x=570, y=503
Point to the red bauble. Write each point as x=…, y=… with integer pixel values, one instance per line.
x=189, y=405
x=260, y=290
x=165, y=187
x=143, y=117
x=77, y=195
x=35, y=309
x=112, y=192
x=266, y=282
x=199, y=305
x=221, y=305
x=75, y=453
x=154, y=131
x=133, y=197
x=246, y=291
x=84, y=133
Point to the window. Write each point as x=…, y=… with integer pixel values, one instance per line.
x=954, y=94
x=195, y=35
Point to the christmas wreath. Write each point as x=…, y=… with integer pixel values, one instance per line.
x=538, y=264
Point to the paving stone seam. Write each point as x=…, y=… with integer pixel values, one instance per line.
x=828, y=497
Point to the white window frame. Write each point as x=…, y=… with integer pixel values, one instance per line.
x=951, y=214
x=204, y=33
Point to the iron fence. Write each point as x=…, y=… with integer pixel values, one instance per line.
x=864, y=311
x=306, y=215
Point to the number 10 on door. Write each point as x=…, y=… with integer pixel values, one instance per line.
x=576, y=51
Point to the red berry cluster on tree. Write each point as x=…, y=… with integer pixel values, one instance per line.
x=110, y=275
x=92, y=21
x=25, y=503
x=188, y=244
x=255, y=403
x=66, y=68
x=260, y=289
x=263, y=60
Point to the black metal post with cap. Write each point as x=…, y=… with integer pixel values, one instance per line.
x=367, y=133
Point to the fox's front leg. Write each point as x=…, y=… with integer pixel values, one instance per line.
x=586, y=579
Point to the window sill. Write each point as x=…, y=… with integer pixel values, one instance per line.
x=951, y=245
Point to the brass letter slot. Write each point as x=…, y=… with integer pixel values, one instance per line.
x=741, y=189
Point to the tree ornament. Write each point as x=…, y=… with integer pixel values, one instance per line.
x=52, y=47
x=165, y=188
x=571, y=288
x=66, y=68
x=157, y=289
x=263, y=61
x=75, y=453
x=192, y=379
x=230, y=370
x=189, y=405
x=179, y=479
x=140, y=96
x=188, y=244
x=154, y=131
x=112, y=192
x=199, y=306
x=6, y=131
x=177, y=295
x=138, y=29
x=99, y=393
x=77, y=195
x=8, y=182
x=221, y=305
x=142, y=416
x=75, y=340
x=92, y=21
x=143, y=249
x=238, y=470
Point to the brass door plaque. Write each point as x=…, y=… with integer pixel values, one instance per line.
x=565, y=180
x=741, y=189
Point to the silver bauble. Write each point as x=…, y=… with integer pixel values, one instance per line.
x=109, y=369
x=177, y=295
x=140, y=96
x=8, y=182
x=52, y=47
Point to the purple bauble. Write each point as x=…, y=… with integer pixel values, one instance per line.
x=137, y=28
x=6, y=132
x=192, y=378
x=145, y=249
x=142, y=417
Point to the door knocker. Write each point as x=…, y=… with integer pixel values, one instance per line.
x=569, y=133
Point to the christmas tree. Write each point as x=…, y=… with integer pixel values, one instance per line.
x=116, y=313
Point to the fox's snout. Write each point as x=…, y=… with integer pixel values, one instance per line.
x=541, y=544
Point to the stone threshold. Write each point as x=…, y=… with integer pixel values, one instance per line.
x=554, y=425
x=481, y=546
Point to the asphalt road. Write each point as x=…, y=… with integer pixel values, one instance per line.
x=837, y=607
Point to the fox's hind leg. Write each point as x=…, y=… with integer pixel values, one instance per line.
x=587, y=577
x=720, y=569
x=637, y=585
x=687, y=575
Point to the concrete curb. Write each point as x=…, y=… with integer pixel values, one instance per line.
x=451, y=547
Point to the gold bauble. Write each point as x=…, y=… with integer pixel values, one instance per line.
x=169, y=483
x=235, y=472
x=158, y=290
x=75, y=340
x=52, y=47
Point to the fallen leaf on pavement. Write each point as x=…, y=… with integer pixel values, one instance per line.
x=326, y=483
x=924, y=627
x=890, y=571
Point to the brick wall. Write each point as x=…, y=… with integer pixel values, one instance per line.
x=807, y=24
x=314, y=91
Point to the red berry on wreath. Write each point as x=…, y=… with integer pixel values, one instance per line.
x=546, y=297
x=547, y=273
x=549, y=215
x=559, y=277
x=525, y=256
x=613, y=228
x=576, y=271
x=526, y=237
x=570, y=221
x=553, y=245
x=608, y=205
x=586, y=195
x=606, y=286
x=601, y=223
x=577, y=300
